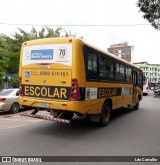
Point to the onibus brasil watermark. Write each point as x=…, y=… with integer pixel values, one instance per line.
x=39, y=159
x=21, y=159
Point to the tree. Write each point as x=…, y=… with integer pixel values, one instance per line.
x=14, y=81
x=151, y=10
x=13, y=62
x=10, y=46
x=3, y=57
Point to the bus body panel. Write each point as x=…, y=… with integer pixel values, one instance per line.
x=120, y=94
x=47, y=83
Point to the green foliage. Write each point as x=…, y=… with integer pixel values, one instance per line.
x=13, y=62
x=151, y=10
x=3, y=57
x=2, y=73
x=14, y=81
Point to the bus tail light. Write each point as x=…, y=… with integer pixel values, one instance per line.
x=75, y=90
x=147, y=88
x=20, y=87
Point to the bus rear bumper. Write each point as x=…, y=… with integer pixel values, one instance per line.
x=75, y=106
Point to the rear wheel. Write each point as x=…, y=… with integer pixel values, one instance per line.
x=105, y=114
x=14, y=108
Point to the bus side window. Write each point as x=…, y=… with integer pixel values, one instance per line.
x=140, y=80
x=128, y=75
x=110, y=69
x=134, y=77
x=117, y=71
x=92, y=69
x=102, y=68
x=122, y=72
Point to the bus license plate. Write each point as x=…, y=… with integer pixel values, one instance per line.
x=43, y=105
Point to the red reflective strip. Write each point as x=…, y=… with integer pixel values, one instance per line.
x=46, y=118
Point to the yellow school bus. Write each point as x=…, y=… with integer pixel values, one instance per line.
x=67, y=76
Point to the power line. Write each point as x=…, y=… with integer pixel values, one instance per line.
x=78, y=25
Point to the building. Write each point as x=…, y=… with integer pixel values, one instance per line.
x=122, y=50
x=151, y=72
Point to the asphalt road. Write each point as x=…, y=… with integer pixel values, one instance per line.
x=130, y=133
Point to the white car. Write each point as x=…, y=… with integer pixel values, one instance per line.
x=9, y=100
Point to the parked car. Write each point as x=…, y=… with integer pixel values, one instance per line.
x=9, y=100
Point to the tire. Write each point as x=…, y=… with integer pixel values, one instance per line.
x=136, y=107
x=14, y=108
x=105, y=114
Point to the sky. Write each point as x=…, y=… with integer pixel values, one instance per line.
x=101, y=22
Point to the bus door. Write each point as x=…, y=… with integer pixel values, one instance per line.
x=134, y=96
